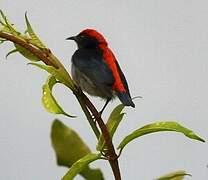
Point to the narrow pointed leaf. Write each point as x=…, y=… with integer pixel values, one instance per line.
x=113, y=121
x=57, y=73
x=2, y=40
x=35, y=40
x=80, y=165
x=157, y=127
x=50, y=69
x=179, y=175
x=7, y=26
x=69, y=148
x=27, y=54
x=1, y=22
x=48, y=100
x=11, y=52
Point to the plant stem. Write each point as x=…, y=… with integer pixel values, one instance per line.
x=37, y=52
x=110, y=154
x=49, y=59
x=89, y=117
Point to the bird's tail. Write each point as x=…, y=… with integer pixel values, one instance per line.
x=125, y=98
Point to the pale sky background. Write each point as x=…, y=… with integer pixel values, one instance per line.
x=162, y=46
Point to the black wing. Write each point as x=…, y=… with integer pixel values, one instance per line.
x=124, y=97
x=123, y=79
x=91, y=64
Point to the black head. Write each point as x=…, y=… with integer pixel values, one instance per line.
x=88, y=39
x=85, y=41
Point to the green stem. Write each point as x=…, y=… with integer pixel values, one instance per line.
x=88, y=116
x=49, y=59
x=37, y=52
x=110, y=154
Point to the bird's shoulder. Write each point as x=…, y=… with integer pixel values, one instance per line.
x=91, y=63
x=84, y=58
x=113, y=63
x=87, y=55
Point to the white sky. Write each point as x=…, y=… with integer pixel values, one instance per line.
x=162, y=48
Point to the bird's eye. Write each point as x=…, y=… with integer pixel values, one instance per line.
x=82, y=36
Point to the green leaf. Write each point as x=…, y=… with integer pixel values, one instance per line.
x=81, y=164
x=178, y=175
x=156, y=127
x=113, y=121
x=7, y=26
x=68, y=145
x=27, y=54
x=11, y=52
x=32, y=38
x=50, y=69
x=35, y=39
x=49, y=101
x=57, y=73
x=2, y=40
x=69, y=148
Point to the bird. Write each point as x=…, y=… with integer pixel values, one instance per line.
x=96, y=70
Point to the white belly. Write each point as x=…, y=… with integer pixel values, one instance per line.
x=85, y=83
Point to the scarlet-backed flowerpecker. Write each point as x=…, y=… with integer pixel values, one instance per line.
x=96, y=70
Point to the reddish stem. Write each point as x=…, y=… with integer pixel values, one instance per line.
x=110, y=154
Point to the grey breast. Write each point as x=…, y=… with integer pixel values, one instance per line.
x=85, y=83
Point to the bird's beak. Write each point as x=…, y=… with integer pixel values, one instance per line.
x=74, y=38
